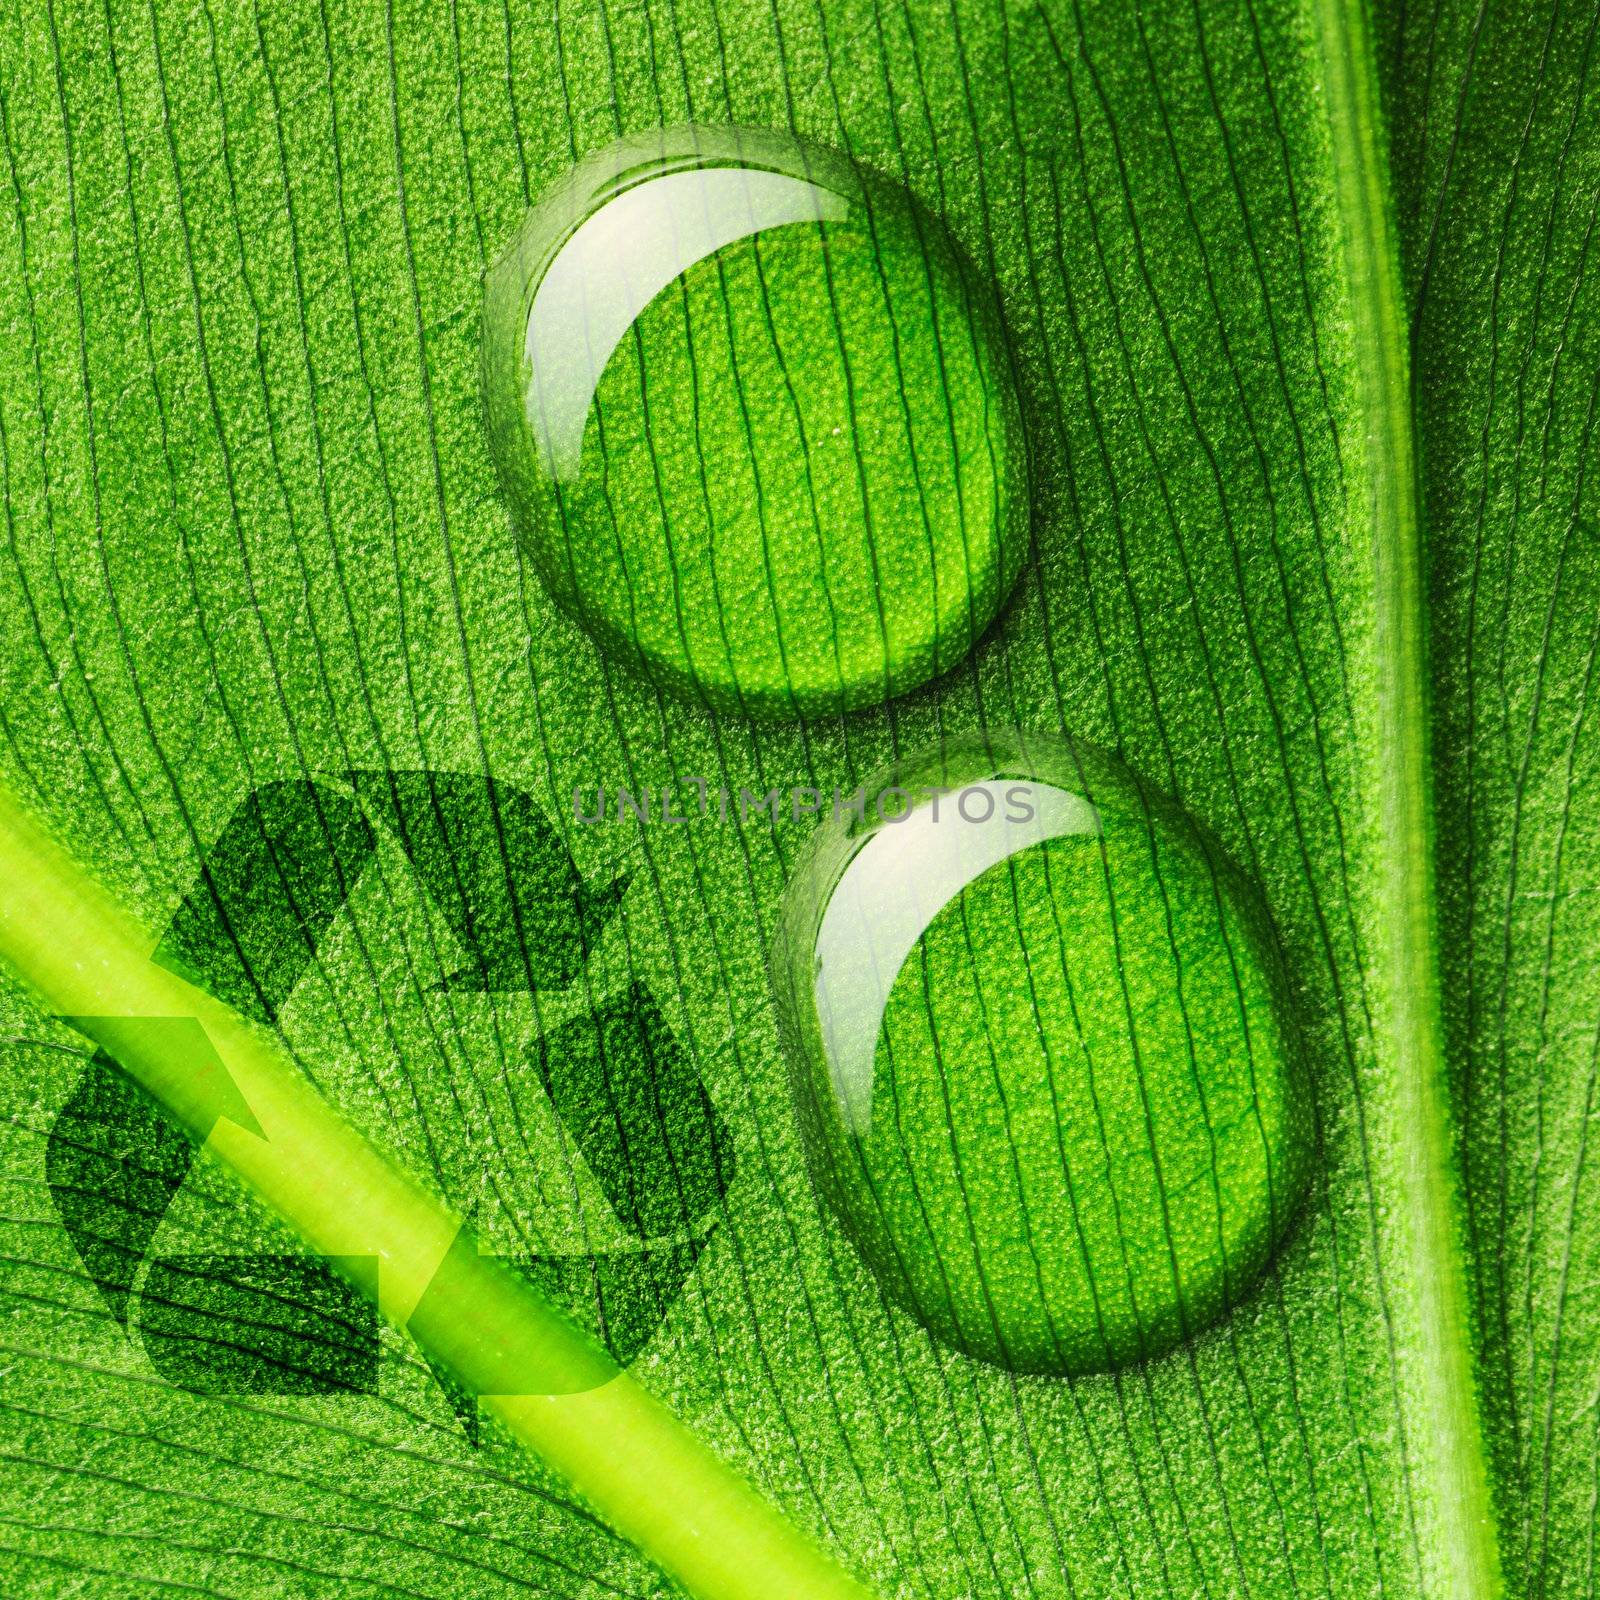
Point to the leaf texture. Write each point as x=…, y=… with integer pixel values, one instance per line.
x=253, y=537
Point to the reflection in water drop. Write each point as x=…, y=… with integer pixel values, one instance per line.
x=889, y=895
x=753, y=413
x=1040, y=1039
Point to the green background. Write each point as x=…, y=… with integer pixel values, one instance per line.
x=252, y=533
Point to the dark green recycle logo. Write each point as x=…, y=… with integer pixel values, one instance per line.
x=269, y=890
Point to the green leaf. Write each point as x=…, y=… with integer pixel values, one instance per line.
x=1310, y=408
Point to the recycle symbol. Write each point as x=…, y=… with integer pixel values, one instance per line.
x=269, y=889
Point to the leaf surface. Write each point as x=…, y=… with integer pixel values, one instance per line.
x=253, y=538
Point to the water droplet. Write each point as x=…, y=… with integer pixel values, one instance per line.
x=753, y=412
x=1041, y=1045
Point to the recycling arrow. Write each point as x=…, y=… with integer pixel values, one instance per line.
x=269, y=889
x=498, y=870
x=549, y=1383
x=638, y=1114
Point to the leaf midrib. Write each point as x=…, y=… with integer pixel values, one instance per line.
x=1442, y=1438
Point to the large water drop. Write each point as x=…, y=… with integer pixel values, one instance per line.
x=753, y=411
x=1041, y=1043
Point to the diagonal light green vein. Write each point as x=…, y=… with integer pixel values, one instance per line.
x=250, y=532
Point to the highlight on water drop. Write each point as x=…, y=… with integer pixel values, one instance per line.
x=1043, y=1053
x=754, y=415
